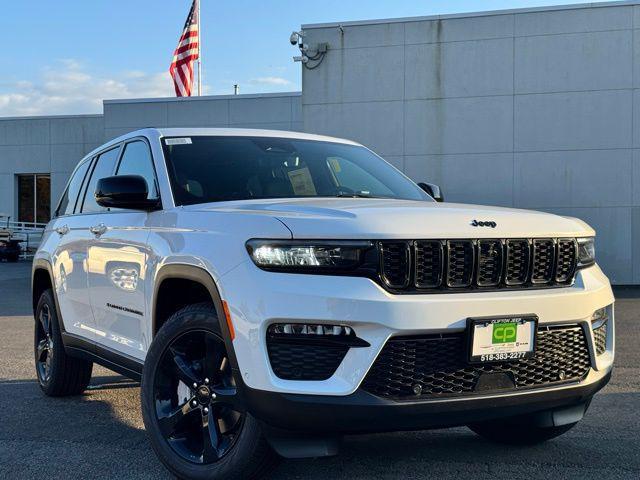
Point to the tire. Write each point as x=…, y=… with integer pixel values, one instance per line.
x=187, y=350
x=518, y=431
x=58, y=374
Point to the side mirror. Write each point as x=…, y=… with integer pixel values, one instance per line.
x=433, y=190
x=124, y=191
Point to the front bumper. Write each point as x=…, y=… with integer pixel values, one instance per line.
x=362, y=412
x=257, y=299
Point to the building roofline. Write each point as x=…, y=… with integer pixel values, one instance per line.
x=488, y=13
x=202, y=98
x=52, y=117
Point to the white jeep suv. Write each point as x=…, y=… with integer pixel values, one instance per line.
x=274, y=291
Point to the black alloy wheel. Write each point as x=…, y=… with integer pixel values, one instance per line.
x=44, y=343
x=197, y=407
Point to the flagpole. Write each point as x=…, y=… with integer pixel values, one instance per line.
x=199, y=51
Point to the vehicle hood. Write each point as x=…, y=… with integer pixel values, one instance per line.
x=358, y=218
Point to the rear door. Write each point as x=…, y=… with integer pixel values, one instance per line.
x=69, y=257
x=118, y=256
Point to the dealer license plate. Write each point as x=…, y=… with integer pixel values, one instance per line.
x=502, y=339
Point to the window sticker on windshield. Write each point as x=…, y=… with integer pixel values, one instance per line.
x=178, y=141
x=302, y=182
x=334, y=163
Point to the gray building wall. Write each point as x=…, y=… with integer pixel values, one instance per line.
x=277, y=111
x=52, y=145
x=531, y=109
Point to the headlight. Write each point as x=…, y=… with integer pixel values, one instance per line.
x=308, y=256
x=586, y=252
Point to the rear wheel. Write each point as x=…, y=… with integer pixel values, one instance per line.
x=191, y=408
x=58, y=374
x=519, y=431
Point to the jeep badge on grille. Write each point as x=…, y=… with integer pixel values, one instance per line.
x=476, y=223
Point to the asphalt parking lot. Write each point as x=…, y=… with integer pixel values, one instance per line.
x=100, y=434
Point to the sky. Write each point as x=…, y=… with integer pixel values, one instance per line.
x=66, y=56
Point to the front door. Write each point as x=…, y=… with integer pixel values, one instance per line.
x=116, y=268
x=117, y=264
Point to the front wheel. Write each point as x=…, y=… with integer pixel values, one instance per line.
x=191, y=408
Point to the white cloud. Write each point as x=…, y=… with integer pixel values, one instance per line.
x=67, y=88
x=270, y=81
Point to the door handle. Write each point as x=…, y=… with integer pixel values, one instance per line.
x=63, y=230
x=98, y=229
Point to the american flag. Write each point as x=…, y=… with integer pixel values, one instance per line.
x=186, y=54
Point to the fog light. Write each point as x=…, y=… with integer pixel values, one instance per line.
x=306, y=329
x=306, y=334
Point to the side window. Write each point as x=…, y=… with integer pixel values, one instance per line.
x=68, y=200
x=136, y=160
x=104, y=167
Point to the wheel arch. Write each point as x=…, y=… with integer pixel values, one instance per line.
x=41, y=280
x=183, y=274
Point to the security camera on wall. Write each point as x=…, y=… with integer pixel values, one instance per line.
x=295, y=38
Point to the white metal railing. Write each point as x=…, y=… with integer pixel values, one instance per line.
x=29, y=234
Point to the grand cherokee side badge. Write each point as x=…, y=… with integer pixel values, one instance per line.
x=476, y=223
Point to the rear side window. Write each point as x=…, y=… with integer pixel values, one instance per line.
x=68, y=200
x=104, y=167
x=136, y=160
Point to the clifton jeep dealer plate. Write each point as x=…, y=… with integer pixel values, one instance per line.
x=502, y=339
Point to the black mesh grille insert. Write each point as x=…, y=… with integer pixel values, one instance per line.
x=459, y=263
x=435, y=365
x=600, y=338
x=429, y=262
x=517, y=266
x=291, y=361
x=395, y=263
x=543, y=260
x=489, y=263
x=566, y=261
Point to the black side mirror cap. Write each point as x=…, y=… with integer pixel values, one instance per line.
x=125, y=191
x=433, y=190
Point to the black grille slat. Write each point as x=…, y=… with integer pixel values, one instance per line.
x=543, y=260
x=429, y=265
x=395, y=263
x=517, y=265
x=490, y=257
x=600, y=338
x=291, y=361
x=460, y=263
x=566, y=259
x=435, y=366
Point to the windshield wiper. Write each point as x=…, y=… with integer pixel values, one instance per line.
x=354, y=195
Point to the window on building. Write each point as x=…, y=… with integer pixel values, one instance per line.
x=34, y=198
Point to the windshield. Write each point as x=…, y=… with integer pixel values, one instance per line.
x=211, y=169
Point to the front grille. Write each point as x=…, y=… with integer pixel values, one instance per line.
x=460, y=262
x=566, y=261
x=434, y=366
x=600, y=338
x=434, y=265
x=291, y=361
x=395, y=264
x=429, y=258
x=517, y=265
